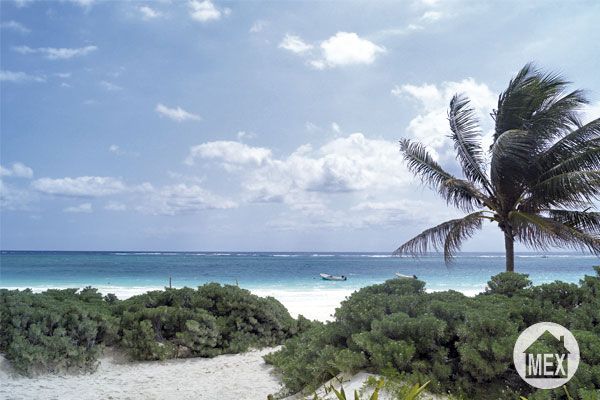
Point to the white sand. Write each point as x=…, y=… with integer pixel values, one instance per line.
x=228, y=377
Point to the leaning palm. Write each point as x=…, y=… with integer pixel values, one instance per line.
x=542, y=178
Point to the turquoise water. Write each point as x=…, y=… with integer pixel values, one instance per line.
x=279, y=271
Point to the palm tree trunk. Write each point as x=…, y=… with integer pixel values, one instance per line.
x=509, y=245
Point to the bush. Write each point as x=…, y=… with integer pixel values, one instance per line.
x=63, y=330
x=206, y=322
x=58, y=330
x=462, y=345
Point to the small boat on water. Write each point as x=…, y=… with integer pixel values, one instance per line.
x=402, y=276
x=328, y=277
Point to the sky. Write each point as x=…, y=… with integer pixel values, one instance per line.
x=254, y=126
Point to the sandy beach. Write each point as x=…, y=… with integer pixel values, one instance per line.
x=228, y=377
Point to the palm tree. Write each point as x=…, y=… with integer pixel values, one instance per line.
x=542, y=176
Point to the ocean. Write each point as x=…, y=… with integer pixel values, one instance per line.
x=291, y=277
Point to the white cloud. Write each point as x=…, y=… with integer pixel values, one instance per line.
x=294, y=44
x=176, y=114
x=17, y=170
x=113, y=148
x=341, y=49
x=81, y=208
x=348, y=164
x=15, y=27
x=182, y=199
x=110, y=87
x=258, y=26
x=335, y=127
x=53, y=53
x=118, y=151
x=232, y=153
x=347, y=48
x=431, y=125
x=241, y=135
x=14, y=199
x=19, y=77
x=63, y=75
x=431, y=16
x=83, y=186
x=205, y=11
x=149, y=12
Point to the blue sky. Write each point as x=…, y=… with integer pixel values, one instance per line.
x=202, y=125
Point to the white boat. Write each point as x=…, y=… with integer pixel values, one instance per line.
x=328, y=277
x=402, y=276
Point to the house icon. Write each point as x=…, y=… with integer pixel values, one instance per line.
x=546, y=357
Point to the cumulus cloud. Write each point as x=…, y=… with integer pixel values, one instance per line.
x=176, y=114
x=346, y=164
x=14, y=199
x=149, y=13
x=83, y=186
x=430, y=126
x=15, y=27
x=19, y=77
x=81, y=208
x=205, y=11
x=17, y=170
x=347, y=48
x=53, y=53
x=174, y=199
x=182, y=199
x=341, y=49
x=229, y=152
x=294, y=44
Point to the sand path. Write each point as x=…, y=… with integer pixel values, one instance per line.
x=228, y=377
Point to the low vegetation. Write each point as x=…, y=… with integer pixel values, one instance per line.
x=462, y=345
x=66, y=330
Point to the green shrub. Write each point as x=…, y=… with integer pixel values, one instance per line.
x=462, y=345
x=62, y=330
x=508, y=283
x=211, y=320
x=58, y=330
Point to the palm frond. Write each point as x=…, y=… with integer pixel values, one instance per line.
x=556, y=116
x=572, y=143
x=570, y=189
x=583, y=159
x=458, y=192
x=537, y=103
x=511, y=166
x=544, y=233
x=421, y=163
x=584, y=221
x=448, y=236
x=466, y=136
